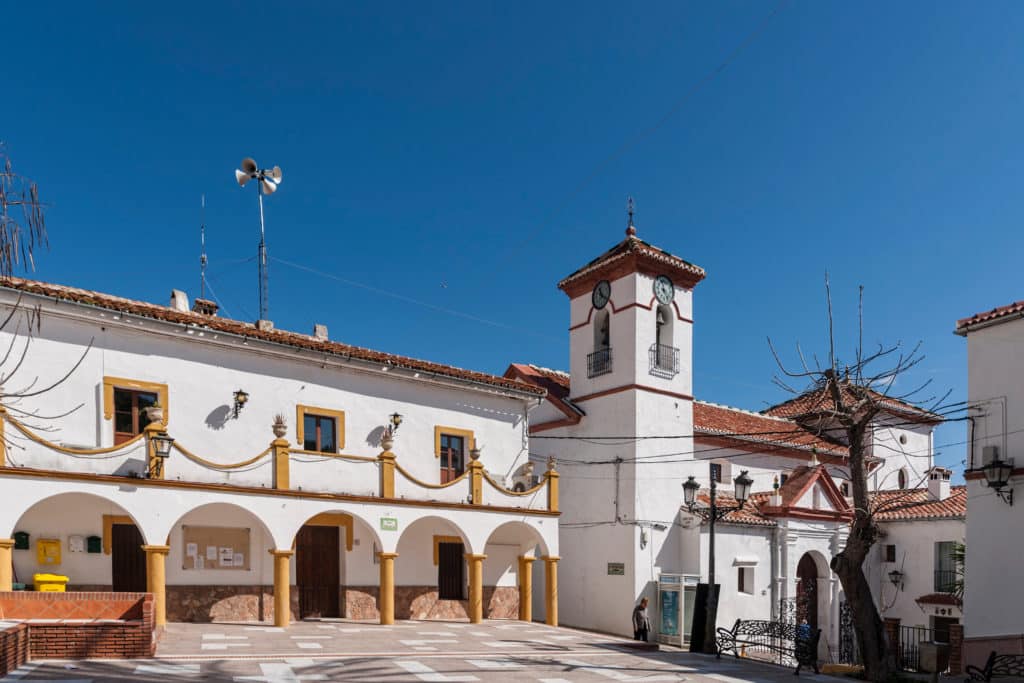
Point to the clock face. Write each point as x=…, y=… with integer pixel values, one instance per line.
x=664, y=290
x=602, y=292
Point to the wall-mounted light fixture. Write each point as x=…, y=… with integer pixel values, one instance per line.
x=394, y=422
x=997, y=474
x=896, y=577
x=241, y=398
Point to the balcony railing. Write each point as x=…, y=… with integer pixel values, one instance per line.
x=664, y=360
x=945, y=581
x=599, y=362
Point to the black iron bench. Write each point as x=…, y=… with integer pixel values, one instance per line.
x=796, y=641
x=997, y=666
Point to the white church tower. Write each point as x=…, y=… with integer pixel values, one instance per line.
x=631, y=334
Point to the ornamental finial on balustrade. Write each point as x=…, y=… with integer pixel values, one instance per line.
x=551, y=463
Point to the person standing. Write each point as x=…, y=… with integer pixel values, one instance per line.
x=641, y=623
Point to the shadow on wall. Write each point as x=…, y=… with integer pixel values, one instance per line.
x=133, y=467
x=374, y=437
x=218, y=417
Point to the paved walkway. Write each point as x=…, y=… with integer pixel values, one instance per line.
x=433, y=652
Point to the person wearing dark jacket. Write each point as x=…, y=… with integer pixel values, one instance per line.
x=641, y=624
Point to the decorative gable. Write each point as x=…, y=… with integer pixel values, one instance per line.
x=810, y=493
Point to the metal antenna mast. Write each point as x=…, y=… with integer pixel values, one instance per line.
x=269, y=179
x=202, y=255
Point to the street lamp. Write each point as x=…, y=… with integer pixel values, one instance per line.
x=997, y=474
x=161, y=444
x=741, y=491
x=896, y=577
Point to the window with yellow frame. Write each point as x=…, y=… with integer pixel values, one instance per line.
x=319, y=429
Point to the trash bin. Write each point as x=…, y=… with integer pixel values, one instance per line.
x=50, y=583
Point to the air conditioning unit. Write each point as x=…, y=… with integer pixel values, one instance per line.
x=988, y=454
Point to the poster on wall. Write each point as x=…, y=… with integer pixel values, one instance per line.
x=670, y=613
x=215, y=547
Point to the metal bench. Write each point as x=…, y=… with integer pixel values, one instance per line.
x=997, y=666
x=796, y=641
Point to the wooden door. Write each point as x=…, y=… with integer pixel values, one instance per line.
x=451, y=575
x=127, y=559
x=318, y=571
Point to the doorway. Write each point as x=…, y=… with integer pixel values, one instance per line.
x=127, y=559
x=318, y=571
x=807, y=592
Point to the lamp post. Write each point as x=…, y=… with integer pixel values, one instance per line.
x=742, y=485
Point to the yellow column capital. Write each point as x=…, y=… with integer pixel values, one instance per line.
x=158, y=549
x=281, y=553
x=475, y=557
x=6, y=543
x=387, y=556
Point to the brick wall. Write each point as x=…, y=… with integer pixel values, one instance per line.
x=75, y=626
x=13, y=647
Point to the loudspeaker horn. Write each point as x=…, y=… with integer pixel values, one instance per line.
x=269, y=186
x=242, y=177
x=248, y=165
x=275, y=174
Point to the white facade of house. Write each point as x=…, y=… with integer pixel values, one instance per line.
x=63, y=476
x=993, y=603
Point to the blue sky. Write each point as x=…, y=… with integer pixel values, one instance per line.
x=469, y=155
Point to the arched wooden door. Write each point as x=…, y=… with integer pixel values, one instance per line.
x=807, y=591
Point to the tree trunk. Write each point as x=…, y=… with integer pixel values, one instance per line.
x=849, y=565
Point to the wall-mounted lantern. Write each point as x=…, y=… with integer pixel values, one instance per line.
x=395, y=421
x=241, y=398
x=162, y=445
x=997, y=474
x=896, y=577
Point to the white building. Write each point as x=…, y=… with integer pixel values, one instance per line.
x=252, y=517
x=627, y=432
x=993, y=603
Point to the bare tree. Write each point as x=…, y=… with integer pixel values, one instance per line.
x=22, y=223
x=841, y=402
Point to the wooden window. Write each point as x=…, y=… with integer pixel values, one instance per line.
x=451, y=575
x=453, y=457
x=451, y=447
x=745, y=580
x=319, y=433
x=890, y=553
x=716, y=472
x=319, y=429
x=845, y=488
x=782, y=479
x=129, y=413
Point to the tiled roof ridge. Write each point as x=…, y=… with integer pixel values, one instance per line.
x=752, y=413
x=633, y=244
x=998, y=313
x=541, y=368
x=122, y=304
x=888, y=402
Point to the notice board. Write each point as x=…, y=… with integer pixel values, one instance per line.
x=215, y=547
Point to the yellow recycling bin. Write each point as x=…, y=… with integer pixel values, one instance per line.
x=50, y=583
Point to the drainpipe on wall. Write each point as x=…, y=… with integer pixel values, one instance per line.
x=775, y=573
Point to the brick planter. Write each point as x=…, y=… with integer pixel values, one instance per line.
x=74, y=626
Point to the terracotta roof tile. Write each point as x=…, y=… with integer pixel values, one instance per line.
x=1009, y=312
x=226, y=325
x=818, y=401
x=939, y=599
x=742, y=425
x=909, y=504
x=748, y=515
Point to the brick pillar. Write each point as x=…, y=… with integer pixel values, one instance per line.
x=956, y=649
x=892, y=638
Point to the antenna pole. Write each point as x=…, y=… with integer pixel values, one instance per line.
x=202, y=256
x=262, y=259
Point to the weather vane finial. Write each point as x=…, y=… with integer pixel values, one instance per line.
x=630, y=228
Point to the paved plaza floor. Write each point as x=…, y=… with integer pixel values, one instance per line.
x=434, y=652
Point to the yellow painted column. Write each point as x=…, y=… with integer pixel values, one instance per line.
x=155, y=465
x=551, y=589
x=3, y=441
x=282, y=587
x=552, y=477
x=476, y=479
x=282, y=477
x=387, y=587
x=156, y=580
x=476, y=587
x=387, y=474
x=526, y=588
x=6, y=568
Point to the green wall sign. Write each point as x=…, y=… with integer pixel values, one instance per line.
x=388, y=524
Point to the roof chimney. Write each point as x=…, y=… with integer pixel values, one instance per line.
x=179, y=300
x=320, y=331
x=204, y=306
x=264, y=325
x=938, y=483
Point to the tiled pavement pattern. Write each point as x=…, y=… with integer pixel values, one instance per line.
x=433, y=652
